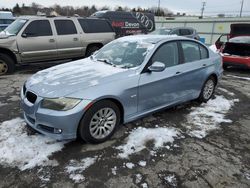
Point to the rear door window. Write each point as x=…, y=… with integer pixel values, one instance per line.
x=95, y=26
x=204, y=52
x=65, y=27
x=191, y=51
x=38, y=28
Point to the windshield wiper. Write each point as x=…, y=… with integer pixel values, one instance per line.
x=106, y=61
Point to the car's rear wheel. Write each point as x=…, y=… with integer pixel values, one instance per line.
x=7, y=64
x=207, y=89
x=99, y=122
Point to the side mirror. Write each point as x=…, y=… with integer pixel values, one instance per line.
x=157, y=67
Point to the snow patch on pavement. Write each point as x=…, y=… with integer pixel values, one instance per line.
x=114, y=170
x=171, y=180
x=3, y=104
x=18, y=149
x=130, y=165
x=76, y=168
x=138, y=138
x=226, y=91
x=240, y=77
x=208, y=116
x=142, y=163
x=138, y=178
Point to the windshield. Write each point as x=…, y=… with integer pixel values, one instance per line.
x=124, y=54
x=161, y=31
x=15, y=27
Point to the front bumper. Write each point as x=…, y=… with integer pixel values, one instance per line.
x=60, y=125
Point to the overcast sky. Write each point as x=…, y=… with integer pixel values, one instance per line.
x=189, y=6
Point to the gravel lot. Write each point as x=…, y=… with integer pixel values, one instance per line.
x=207, y=145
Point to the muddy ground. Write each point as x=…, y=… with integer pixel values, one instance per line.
x=221, y=159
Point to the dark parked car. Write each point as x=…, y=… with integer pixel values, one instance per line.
x=128, y=23
x=180, y=31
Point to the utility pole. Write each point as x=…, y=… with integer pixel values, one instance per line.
x=203, y=8
x=241, y=8
x=159, y=6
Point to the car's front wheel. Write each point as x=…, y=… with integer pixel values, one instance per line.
x=99, y=122
x=207, y=89
x=7, y=65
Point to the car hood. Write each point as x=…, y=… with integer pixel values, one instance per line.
x=65, y=79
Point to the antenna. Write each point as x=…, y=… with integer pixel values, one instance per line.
x=203, y=8
x=241, y=8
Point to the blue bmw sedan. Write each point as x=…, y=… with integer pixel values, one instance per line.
x=125, y=80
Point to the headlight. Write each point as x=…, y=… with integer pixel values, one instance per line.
x=60, y=104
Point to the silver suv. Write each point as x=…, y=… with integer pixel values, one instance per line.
x=38, y=39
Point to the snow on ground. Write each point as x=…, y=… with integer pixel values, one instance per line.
x=208, y=116
x=247, y=176
x=138, y=178
x=76, y=168
x=240, y=77
x=138, y=138
x=213, y=48
x=114, y=170
x=18, y=149
x=130, y=165
x=226, y=91
x=171, y=180
x=142, y=163
x=3, y=104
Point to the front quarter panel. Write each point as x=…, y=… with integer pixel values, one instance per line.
x=124, y=89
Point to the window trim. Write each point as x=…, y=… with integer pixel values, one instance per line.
x=65, y=20
x=145, y=69
x=39, y=35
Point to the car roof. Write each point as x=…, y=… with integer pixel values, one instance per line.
x=176, y=28
x=151, y=38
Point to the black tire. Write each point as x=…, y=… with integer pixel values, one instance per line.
x=202, y=97
x=84, y=127
x=7, y=64
x=91, y=50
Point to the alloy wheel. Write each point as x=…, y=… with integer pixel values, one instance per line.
x=208, y=89
x=102, y=123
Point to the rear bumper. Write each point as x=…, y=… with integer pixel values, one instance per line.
x=243, y=62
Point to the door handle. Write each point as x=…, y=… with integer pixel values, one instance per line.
x=204, y=65
x=51, y=40
x=75, y=39
x=178, y=72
